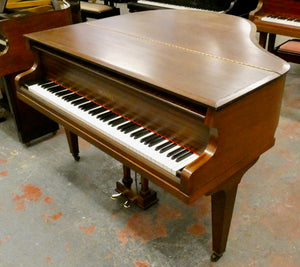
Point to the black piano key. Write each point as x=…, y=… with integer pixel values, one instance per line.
x=71, y=97
x=139, y=133
x=79, y=101
x=88, y=106
x=107, y=116
x=62, y=93
x=131, y=128
x=97, y=111
x=179, y=154
x=156, y=141
x=47, y=84
x=184, y=156
x=124, y=126
x=117, y=121
x=172, y=145
x=55, y=89
x=175, y=151
x=43, y=81
x=147, y=139
x=163, y=145
x=157, y=137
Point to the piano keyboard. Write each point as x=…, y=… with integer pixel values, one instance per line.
x=281, y=20
x=152, y=146
x=150, y=3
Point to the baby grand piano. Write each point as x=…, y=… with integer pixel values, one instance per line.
x=189, y=106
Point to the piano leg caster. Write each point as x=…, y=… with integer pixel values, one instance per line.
x=143, y=196
x=215, y=257
x=76, y=157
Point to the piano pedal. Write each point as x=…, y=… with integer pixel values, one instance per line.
x=143, y=201
x=116, y=195
x=126, y=204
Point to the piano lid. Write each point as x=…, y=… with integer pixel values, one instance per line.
x=205, y=57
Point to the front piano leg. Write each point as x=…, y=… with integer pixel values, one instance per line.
x=73, y=144
x=222, y=203
x=144, y=197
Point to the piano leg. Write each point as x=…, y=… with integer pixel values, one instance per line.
x=263, y=36
x=73, y=144
x=263, y=39
x=271, y=42
x=222, y=204
x=144, y=197
x=222, y=208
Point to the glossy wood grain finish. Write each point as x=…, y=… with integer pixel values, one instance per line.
x=128, y=41
x=201, y=80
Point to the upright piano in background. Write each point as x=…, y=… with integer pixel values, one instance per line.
x=273, y=17
x=233, y=7
x=187, y=99
x=16, y=57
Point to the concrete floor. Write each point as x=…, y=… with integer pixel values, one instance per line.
x=58, y=212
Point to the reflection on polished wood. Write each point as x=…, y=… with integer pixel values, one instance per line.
x=209, y=88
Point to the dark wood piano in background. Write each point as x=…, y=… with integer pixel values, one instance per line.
x=192, y=114
x=233, y=7
x=16, y=57
x=273, y=17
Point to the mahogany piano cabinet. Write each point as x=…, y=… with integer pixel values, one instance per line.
x=190, y=105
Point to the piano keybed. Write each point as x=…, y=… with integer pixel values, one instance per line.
x=162, y=151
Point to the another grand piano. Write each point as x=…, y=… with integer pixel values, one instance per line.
x=273, y=17
x=233, y=7
x=187, y=99
x=15, y=57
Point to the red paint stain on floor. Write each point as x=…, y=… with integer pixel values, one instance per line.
x=48, y=260
x=141, y=227
x=31, y=193
x=4, y=173
x=68, y=246
x=6, y=238
x=141, y=264
x=197, y=229
x=88, y=231
x=54, y=217
x=108, y=256
x=48, y=200
x=3, y=161
x=167, y=212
